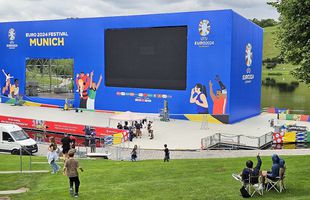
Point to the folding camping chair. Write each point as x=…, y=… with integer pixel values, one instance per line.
x=278, y=181
x=249, y=184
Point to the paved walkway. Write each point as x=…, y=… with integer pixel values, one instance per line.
x=18, y=191
x=178, y=134
x=200, y=154
x=24, y=172
x=119, y=153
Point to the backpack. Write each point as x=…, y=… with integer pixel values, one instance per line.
x=244, y=192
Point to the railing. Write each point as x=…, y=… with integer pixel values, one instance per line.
x=264, y=140
x=230, y=141
x=21, y=150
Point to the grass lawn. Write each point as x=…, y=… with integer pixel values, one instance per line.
x=270, y=49
x=153, y=179
x=42, y=80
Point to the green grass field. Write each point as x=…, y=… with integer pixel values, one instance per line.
x=153, y=179
x=270, y=49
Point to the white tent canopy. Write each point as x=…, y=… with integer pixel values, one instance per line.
x=127, y=116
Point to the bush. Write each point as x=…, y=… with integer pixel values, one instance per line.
x=271, y=65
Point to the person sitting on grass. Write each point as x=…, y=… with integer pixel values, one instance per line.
x=71, y=170
x=250, y=174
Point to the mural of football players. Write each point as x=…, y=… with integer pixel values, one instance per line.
x=220, y=98
x=92, y=91
x=82, y=82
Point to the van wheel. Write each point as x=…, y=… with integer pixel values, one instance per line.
x=15, y=152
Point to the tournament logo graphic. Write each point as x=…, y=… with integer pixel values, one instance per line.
x=248, y=77
x=11, y=37
x=204, y=27
x=248, y=55
x=11, y=34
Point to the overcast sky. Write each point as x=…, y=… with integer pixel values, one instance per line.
x=21, y=10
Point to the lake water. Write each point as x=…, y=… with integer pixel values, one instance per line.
x=292, y=95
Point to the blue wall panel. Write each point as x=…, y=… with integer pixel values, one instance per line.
x=220, y=52
x=246, y=69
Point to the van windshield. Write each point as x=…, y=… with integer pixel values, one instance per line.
x=20, y=135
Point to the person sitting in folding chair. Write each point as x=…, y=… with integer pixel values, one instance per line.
x=250, y=176
x=276, y=175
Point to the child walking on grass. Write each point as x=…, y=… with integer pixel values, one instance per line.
x=71, y=170
x=52, y=157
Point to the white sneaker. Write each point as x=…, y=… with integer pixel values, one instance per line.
x=71, y=191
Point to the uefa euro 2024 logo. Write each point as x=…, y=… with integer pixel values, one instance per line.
x=248, y=77
x=204, y=27
x=11, y=34
x=248, y=57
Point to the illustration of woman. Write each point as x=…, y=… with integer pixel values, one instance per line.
x=92, y=91
x=199, y=97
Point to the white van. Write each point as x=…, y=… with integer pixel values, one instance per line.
x=12, y=137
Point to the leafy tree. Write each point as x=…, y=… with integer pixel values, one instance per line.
x=293, y=35
x=264, y=22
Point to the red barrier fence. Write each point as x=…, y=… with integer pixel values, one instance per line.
x=57, y=127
